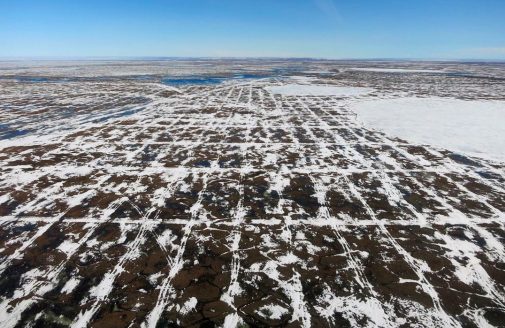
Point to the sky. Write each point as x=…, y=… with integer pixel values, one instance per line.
x=334, y=29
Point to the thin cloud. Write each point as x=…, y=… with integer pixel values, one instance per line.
x=329, y=8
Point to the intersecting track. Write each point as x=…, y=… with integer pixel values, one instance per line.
x=229, y=205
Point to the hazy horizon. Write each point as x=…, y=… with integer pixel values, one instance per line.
x=170, y=58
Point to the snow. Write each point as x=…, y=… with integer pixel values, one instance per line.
x=169, y=88
x=317, y=90
x=289, y=258
x=355, y=310
x=70, y=285
x=272, y=311
x=317, y=72
x=473, y=127
x=232, y=320
x=189, y=305
x=68, y=247
x=396, y=70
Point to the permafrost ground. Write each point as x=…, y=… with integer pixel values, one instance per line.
x=128, y=203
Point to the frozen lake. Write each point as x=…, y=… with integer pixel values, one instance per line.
x=317, y=90
x=472, y=127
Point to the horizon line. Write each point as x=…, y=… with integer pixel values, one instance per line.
x=160, y=58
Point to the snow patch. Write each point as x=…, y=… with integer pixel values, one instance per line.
x=188, y=306
x=272, y=311
x=289, y=258
x=70, y=285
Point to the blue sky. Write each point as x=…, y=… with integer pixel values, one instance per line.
x=429, y=29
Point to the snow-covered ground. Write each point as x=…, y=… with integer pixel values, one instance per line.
x=317, y=90
x=396, y=70
x=254, y=202
x=473, y=127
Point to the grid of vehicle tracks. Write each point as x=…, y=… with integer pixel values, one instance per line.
x=231, y=206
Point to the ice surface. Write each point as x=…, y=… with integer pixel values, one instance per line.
x=396, y=70
x=473, y=127
x=317, y=90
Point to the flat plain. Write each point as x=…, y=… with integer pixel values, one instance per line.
x=243, y=193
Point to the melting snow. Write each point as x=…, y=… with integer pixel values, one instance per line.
x=297, y=157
